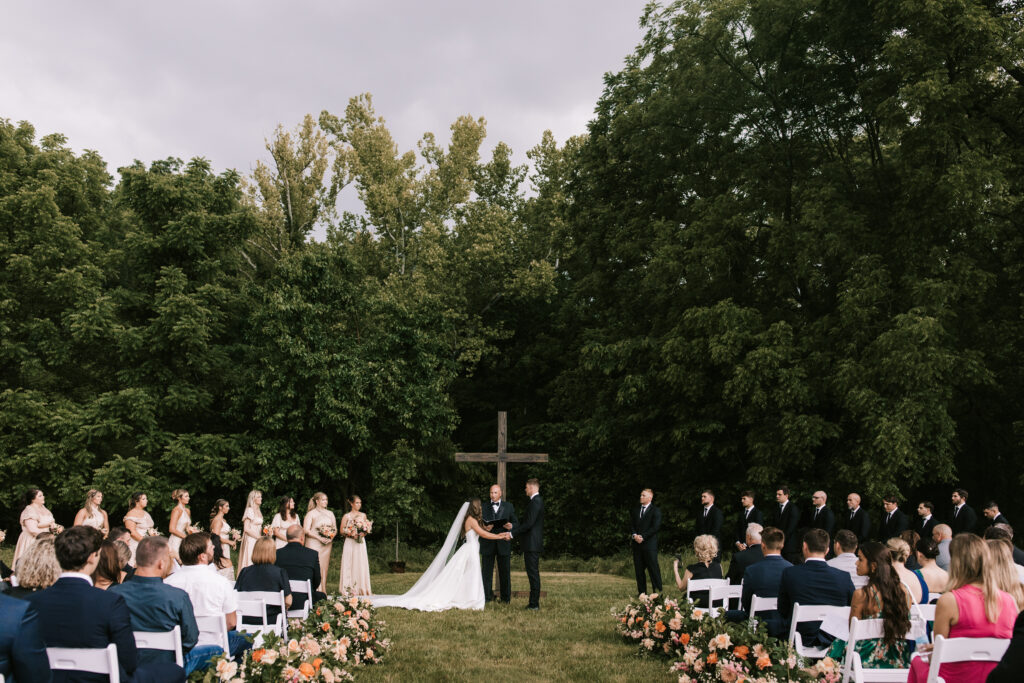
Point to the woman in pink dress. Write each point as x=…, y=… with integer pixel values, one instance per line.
x=252, y=528
x=35, y=519
x=973, y=607
x=92, y=514
x=321, y=527
x=355, y=564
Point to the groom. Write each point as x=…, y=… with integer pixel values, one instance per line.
x=497, y=509
x=530, y=533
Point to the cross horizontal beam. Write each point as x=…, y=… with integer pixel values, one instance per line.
x=504, y=457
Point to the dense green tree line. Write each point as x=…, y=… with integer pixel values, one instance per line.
x=788, y=250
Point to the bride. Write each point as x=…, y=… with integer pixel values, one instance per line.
x=455, y=583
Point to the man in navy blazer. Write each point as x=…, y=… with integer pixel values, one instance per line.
x=22, y=651
x=811, y=583
x=75, y=614
x=530, y=534
x=763, y=578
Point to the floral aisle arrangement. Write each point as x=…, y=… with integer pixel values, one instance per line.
x=703, y=647
x=340, y=635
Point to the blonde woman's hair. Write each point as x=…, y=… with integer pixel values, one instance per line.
x=706, y=547
x=1001, y=571
x=312, y=501
x=89, y=495
x=898, y=549
x=252, y=497
x=177, y=494
x=264, y=552
x=38, y=566
x=968, y=563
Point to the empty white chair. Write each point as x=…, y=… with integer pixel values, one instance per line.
x=162, y=640
x=725, y=594
x=759, y=604
x=215, y=626
x=100, y=660
x=853, y=669
x=806, y=613
x=269, y=598
x=948, y=650
x=303, y=588
x=698, y=585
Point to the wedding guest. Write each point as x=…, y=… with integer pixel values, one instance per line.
x=845, y=549
x=22, y=649
x=884, y=597
x=748, y=515
x=963, y=517
x=284, y=518
x=787, y=519
x=181, y=520
x=935, y=577
x=108, y=569
x=894, y=522
x=221, y=564
x=911, y=538
x=973, y=607
x=75, y=614
x=252, y=528
x=37, y=569
x=857, y=518
x=707, y=566
x=710, y=519
x=219, y=526
x=821, y=516
x=321, y=526
x=119, y=533
x=301, y=564
x=899, y=550
x=92, y=514
x=124, y=556
x=1003, y=570
x=750, y=555
x=35, y=519
x=811, y=583
x=1011, y=667
x=926, y=523
x=763, y=579
x=122, y=536
x=264, y=575
x=645, y=522
x=138, y=522
x=992, y=514
x=1006, y=531
x=942, y=534
x=355, y=563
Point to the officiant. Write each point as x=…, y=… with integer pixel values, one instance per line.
x=498, y=516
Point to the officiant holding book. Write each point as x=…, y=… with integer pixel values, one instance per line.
x=498, y=516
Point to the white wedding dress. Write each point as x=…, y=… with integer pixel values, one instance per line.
x=454, y=583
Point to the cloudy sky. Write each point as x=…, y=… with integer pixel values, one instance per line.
x=148, y=80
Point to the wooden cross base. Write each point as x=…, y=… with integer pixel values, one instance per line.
x=520, y=594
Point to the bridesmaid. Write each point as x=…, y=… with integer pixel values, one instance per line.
x=285, y=517
x=220, y=528
x=318, y=517
x=35, y=519
x=252, y=528
x=181, y=520
x=355, y=564
x=92, y=514
x=138, y=522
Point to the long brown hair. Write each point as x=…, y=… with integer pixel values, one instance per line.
x=882, y=577
x=476, y=511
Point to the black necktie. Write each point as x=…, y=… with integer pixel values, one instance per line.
x=746, y=515
x=888, y=518
x=816, y=512
x=643, y=508
x=956, y=511
x=706, y=512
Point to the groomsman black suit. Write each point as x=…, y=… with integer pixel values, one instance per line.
x=645, y=523
x=530, y=534
x=497, y=549
x=301, y=564
x=925, y=527
x=746, y=516
x=893, y=524
x=709, y=521
x=859, y=522
x=787, y=518
x=823, y=519
x=966, y=519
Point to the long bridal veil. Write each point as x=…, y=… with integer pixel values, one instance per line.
x=408, y=599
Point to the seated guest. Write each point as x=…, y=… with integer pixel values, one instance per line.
x=911, y=537
x=124, y=556
x=22, y=650
x=973, y=607
x=108, y=571
x=122, y=535
x=942, y=534
x=221, y=563
x=211, y=594
x=845, y=548
x=156, y=607
x=73, y=613
x=751, y=554
x=37, y=569
x=810, y=583
x=1006, y=531
x=763, y=579
x=899, y=550
x=264, y=575
x=934, y=576
x=886, y=598
x=1011, y=667
x=706, y=567
x=301, y=564
x=1003, y=571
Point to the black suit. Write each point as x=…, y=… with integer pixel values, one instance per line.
x=710, y=522
x=925, y=527
x=22, y=651
x=530, y=534
x=742, y=560
x=489, y=549
x=1018, y=556
x=74, y=614
x=645, y=555
x=1011, y=667
x=788, y=519
x=810, y=583
x=763, y=580
x=965, y=520
x=753, y=516
x=999, y=519
x=893, y=525
x=301, y=564
x=859, y=523
x=824, y=519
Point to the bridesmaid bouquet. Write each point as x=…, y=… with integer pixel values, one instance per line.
x=327, y=530
x=57, y=529
x=194, y=528
x=235, y=535
x=153, y=532
x=268, y=530
x=360, y=528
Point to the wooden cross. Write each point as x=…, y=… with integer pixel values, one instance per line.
x=502, y=457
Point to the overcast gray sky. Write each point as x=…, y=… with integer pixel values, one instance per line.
x=148, y=80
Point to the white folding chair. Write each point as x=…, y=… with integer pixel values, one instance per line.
x=162, y=640
x=933, y=598
x=698, y=585
x=759, y=604
x=725, y=594
x=217, y=627
x=302, y=588
x=805, y=613
x=925, y=613
x=99, y=660
x=853, y=668
x=948, y=650
x=269, y=598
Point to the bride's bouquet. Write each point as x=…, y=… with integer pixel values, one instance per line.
x=360, y=528
x=327, y=531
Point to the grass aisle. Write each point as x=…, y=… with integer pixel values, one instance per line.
x=571, y=638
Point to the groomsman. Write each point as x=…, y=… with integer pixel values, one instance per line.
x=822, y=516
x=748, y=515
x=926, y=524
x=993, y=515
x=496, y=509
x=710, y=519
x=963, y=517
x=894, y=522
x=857, y=518
x=787, y=519
x=645, y=521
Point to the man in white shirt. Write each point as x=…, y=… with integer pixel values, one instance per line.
x=845, y=549
x=211, y=594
